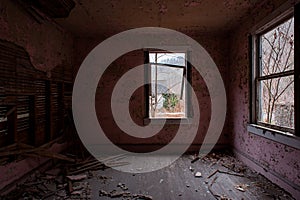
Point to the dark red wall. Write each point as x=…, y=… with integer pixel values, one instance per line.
x=214, y=44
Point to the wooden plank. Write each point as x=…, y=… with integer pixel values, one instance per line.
x=45, y=153
x=9, y=147
x=16, y=152
x=12, y=127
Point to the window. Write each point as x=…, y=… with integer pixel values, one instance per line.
x=275, y=81
x=275, y=75
x=166, y=94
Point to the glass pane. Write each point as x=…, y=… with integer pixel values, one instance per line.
x=276, y=101
x=278, y=49
x=167, y=99
x=168, y=58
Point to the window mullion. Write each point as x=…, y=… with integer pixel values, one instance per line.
x=277, y=75
x=147, y=75
x=256, y=72
x=168, y=65
x=297, y=68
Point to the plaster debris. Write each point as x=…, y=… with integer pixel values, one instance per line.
x=195, y=159
x=220, y=182
x=198, y=174
x=117, y=194
x=241, y=187
x=191, y=169
x=122, y=186
x=77, y=177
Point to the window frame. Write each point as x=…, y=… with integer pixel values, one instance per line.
x=259, y=77
x=186, y=73
x=275, y=19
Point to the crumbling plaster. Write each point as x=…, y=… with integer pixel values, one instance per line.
x=47, y=44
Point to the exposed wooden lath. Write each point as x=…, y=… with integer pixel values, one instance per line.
x=52, y=9
x=31, y=104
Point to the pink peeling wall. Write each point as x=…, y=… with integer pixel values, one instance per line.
x=214, y=44
x=280, y=163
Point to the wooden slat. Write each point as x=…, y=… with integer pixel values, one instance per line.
x=40, y=105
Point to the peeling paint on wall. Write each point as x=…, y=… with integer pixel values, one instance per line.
x=275, y=157
x=48, y=45
x=215, y=45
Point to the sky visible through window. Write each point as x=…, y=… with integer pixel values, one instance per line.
x=167, y=96
x=276, y=94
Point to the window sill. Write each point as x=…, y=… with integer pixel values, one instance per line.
x=168, y=121
x=275, y=135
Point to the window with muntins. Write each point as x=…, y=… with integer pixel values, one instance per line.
x=275, y=74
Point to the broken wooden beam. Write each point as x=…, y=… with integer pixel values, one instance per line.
x=16, y=152
x=49, y=154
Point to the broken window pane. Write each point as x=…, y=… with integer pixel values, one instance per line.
x=167, y=94
x=168, y=58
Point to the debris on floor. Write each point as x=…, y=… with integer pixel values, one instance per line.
x=77, y=177
x=122, y=186
x=228, y=175
x=215, y=176
x=241, y=187
x=198, y=174
x=127, y=195
x=20, y=150
x=65, y=181
x=195, y=159
x=191, y=169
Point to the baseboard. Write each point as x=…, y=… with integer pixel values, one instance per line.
x=194, y=148
x=270, y=174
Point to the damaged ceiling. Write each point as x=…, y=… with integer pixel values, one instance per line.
x=94, y=18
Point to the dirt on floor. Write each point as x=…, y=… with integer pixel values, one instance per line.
x=215, y=176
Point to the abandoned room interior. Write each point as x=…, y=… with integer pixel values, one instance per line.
x=183, y=99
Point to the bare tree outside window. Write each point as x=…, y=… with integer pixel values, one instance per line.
x=276, y=78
